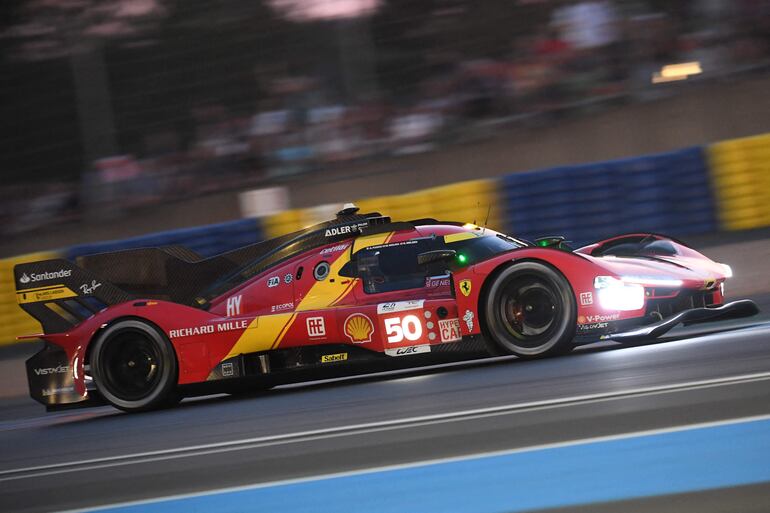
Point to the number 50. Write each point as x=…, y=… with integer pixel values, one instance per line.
x=408, y=327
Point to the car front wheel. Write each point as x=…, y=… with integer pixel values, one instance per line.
x=530, y=311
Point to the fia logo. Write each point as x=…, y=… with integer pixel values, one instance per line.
x=234, y=305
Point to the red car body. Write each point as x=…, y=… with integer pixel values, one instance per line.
x=322, y=304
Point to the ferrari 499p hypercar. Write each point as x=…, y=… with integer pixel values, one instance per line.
x=141, y=328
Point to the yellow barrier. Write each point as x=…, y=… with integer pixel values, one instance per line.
x=471, y=201
x=13, y=320
x=740, y=169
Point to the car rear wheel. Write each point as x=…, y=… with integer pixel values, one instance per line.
x=530, y=311
x=134, y=366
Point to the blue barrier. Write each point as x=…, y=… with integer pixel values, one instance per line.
x=205, y=240
x=667, y=193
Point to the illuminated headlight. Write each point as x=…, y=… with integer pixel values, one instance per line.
x=653, y=281
x=728, y=271
x=616, y=294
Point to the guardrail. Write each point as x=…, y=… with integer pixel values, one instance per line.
x=691, y=191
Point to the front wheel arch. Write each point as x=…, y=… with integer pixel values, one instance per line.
x=492, y=346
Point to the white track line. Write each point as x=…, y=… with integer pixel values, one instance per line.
x=436, y=461
x=357, y=429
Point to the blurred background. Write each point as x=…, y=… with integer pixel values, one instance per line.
x=127, y=116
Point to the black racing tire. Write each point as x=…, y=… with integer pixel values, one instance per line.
x=530, y=311
x=134, y=366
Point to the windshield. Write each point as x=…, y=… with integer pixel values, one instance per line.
x=470, y=251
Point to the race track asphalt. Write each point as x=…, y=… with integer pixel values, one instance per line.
x=97, y=457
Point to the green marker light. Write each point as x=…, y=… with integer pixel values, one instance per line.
x=462, y=258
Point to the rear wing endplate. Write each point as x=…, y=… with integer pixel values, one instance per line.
x=61, y=295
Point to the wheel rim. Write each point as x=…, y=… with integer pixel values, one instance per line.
x=530, y=309
x=132, y=365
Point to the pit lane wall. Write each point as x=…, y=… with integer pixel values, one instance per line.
x=724, y=186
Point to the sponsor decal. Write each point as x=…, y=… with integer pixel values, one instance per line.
x=87, y=288
x=595, y=326
x=287, y=279
x=338, y=357
x=207, y=329
x=400, y=306
x=408, y=327
x=465, y=287
x=449, y=329
x=234, y=305
x=586, y=298
x=404, y=351
x=46, y=294
x=359, y=328
x=227, y=370
x=273, y=281
x=345, y=230
x=53, y=275
x=316, y=327
x=282, y=307
x=434, y=283
x=591, y=319
x=393, y=244
x=468, y=318
x=48, y=392
x=45, y=371
x=334, y=249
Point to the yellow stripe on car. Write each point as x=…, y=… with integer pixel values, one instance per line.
x=323, y=294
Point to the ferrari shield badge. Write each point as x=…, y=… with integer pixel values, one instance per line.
x=465, y=287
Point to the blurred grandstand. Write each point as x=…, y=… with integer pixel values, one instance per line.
x=116, y=105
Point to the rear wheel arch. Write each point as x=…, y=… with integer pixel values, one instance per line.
x=150, y=342
x=108, y=324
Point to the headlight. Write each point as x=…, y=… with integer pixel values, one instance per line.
x=653, y=281
x=616, y=294
x=728, y=271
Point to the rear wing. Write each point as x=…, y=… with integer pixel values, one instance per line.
x=60, y=294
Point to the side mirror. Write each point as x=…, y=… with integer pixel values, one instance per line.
x=438, y=255
x=553, y=242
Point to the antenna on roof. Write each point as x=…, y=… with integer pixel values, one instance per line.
x=348, y=209
x=486, y=220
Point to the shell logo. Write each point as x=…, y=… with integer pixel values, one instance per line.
x=359, y=328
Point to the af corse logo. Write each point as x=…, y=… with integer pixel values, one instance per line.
x=316, y=327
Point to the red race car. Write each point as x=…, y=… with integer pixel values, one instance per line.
x=141, y=328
